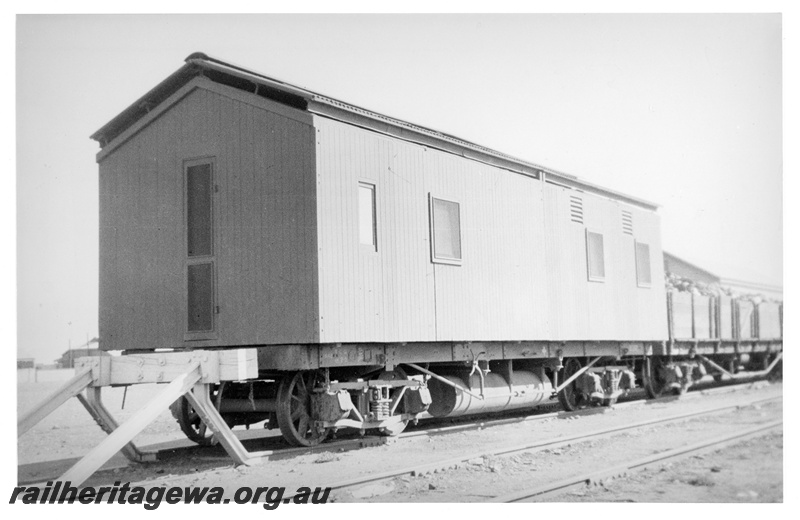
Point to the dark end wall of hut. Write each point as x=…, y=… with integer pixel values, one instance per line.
x=261, y=258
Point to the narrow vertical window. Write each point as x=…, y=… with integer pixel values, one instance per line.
x=201, y=297
x=200, y=305
x=198, y=209
x=595, y=258
x=367, y=228
x=445, y=231
x=643, y=277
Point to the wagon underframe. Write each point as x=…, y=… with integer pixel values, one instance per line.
x=321, y=388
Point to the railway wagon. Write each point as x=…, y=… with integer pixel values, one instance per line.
x=378, y=271
x=729, y=334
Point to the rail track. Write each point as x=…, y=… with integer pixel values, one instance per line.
x=582, y=480
x=457, y=462
x=277, y=450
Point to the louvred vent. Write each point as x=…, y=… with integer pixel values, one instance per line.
x=576, y=209
x=627, y=222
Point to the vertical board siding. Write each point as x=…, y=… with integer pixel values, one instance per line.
x=726, y=317
x=615, y=308
x=398, y=294
x=702, y=323
x=682, y=314
x=523, y=270
x=366, y=295
x=769, y=322
x=496, y=292
x=745, y=310
x=288, y=264
x=264, y=227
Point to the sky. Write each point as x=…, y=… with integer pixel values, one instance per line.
x=682, y=110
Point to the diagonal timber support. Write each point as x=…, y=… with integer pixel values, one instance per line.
x=182, y=370
x=198, y=397
x=122, y=435
x=71, y=388
x=94, y=405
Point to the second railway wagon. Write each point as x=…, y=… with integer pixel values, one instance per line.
x=382, y=270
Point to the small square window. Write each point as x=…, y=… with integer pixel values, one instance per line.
x=595, y=257
x=367, y=229
x=643, y=276
x=445, y=231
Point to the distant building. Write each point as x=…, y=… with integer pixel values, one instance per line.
x=772, y=292
x=26, y=370
x=683, y=269
x=27, y=362
x=68, y=358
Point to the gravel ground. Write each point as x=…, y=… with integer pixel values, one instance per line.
x=70, y=431
x=751, y=471
x=746, y=472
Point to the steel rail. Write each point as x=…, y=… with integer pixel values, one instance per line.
x=581, y=481
x=455, y=462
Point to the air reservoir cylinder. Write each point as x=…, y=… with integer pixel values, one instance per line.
x=527, y=391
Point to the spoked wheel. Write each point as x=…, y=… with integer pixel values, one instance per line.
x=396, y=375
x=571, y=397
x=190, y=422
x=294, y=410
x=655, y=384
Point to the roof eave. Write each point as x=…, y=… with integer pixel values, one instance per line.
x=199, y=63
x=143, y=105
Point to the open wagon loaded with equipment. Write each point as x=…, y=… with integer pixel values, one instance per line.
x=272, y=253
